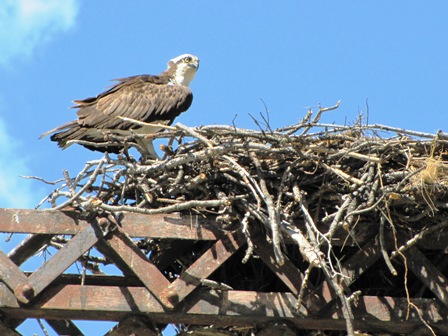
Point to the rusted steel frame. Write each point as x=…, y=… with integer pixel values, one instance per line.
x=205, y=265
x=289, y=274
x=58, y=263
x=220, y=308
x=10, y=273
x=134, y=325
x=14, y=323
x=25, y=250
x=6, y=330
x=113, y=257
x=28, y=247
x=141, y=225
x=120, y=247
x=135, y=225
x=64, y=327
x=361, y=261
x=431, y=277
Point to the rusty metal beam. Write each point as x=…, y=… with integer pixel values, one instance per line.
x=315, y=298
x=135, y=225
x=94, y=300
x=10, y=273
x=361, y=261
x=6, y=330
x=205, y=265
x=221, y=308
x=123, y=248
x=57, y=264
x=28, y=247
x=155, y=226
x=289, y=274
x=431, y=277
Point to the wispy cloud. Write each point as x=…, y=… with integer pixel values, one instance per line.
x=24, y=24
x=14, y=190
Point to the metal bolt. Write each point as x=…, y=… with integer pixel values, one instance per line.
x=24, y=292
x=172, y=297
x=103, y=222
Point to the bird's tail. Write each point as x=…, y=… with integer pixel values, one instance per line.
x=64, y=133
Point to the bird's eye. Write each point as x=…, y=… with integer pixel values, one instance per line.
x=187, y=59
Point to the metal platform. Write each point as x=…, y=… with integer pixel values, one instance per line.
x=144, y=295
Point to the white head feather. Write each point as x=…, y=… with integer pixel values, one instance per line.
x=186, y=66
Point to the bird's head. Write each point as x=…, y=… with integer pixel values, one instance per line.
x=184, y=68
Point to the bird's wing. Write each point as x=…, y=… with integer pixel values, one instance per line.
x=134, y=98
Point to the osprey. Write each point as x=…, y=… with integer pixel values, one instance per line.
x=156, y=100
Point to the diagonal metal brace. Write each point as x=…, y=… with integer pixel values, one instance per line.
x=63, y=259
x=425, y=270
x=10, y=273
x=120, y=248
x=205, y=265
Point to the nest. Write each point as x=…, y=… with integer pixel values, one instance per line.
x=305, y=183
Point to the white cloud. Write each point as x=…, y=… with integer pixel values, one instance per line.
x=15, y=192
x=26, y=23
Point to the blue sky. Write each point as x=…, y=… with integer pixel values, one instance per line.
x=292, y=55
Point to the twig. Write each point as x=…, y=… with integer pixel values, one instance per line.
x=83, y=189
x=383, y=247
x=42, y=180
x=194, y=134
x=342, y=174
x=411, y=242
x=273, y=215
x=318, y=115
x=215, y=284
x=250, y=182
x=308, y=252
x=171, y=208
x=304, y=286
x=245, y=230
x=335, y=224
x=321, y=175
x=141, y=123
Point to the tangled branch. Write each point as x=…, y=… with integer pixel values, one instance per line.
x=300, y=183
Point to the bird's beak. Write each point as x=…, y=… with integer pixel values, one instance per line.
x=196, y=65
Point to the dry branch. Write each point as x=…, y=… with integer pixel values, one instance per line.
x=303, y=183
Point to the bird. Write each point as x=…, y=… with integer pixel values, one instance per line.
x=155, y=100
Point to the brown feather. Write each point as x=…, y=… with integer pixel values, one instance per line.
x=147, y=98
